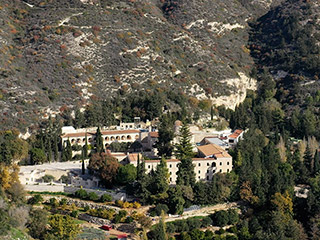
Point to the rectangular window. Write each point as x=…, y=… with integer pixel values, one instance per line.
x=170, y=165
x=208, y=171
x=220, y=163
x=220, y=170
x=148, y=166
x=207, y=177
x=199, y=164
x=208, y=164
x=170, y=173
x=199, y=171
x=227, y=163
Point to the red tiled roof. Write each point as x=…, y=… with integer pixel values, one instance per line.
x=212, y=149
x=236, y=133
x=154, y=134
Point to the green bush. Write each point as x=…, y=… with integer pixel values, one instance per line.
x=53, y=202
x=129, y=219
x=220, y=218
x=105, y=198
x=82, y=194
x=35, y=199
x=93, y=196
x=74, y=213
x=63, y=201
x=86, y=208
x=159, y=208
x=47, y=178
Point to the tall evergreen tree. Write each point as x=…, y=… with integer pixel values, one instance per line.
x=166, y=135
x=159, y=183
x=99, y=141
x=308, y=160
x=67, y=152
x=316, y=162
x=55, y=147
x=82, y=165
x=185, y=175
x=49, y=151
x=85, y=147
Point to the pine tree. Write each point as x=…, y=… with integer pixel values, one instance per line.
x=99, y=141
x=185, y=174
x=159, y=184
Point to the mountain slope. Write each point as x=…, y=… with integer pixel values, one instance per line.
x=60, y=54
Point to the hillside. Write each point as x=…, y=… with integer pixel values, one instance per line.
x=56, y=55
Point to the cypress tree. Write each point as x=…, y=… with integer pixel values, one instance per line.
x=82, y=166
x=67, y=152
x=99, y=141
x=56, y=150
x=166, y=135
x=49, y=153
x=85, y=148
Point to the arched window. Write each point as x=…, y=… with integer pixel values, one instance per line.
x=137, y=137
x=78, y=140
x=123, y=137
x=72, y=140
x=106, y=138
x=112, y=138
x=129, y=137
x=213, y=164
x=90, y=139
x=117, y=137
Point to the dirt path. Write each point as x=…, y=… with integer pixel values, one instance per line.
x=205, y=211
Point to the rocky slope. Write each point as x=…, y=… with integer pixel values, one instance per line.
x=59, y=54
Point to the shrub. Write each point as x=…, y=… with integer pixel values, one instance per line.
x=53, y=202
x=193, y=223
x=119, y=203
x=64, y=179
x=129, y=219
x=171, y=227
x=93, y=196
x=206, y=221
x=63, y=201
x=181, y=226
x=105, y=198
x=86, y=208
x=127, y=205
x=161, y=207
x=233, y=216
x=221, y=218
x=136, y=205
x=47, y=178
x=35, y=199
x=74, y=213
x=82, y=194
